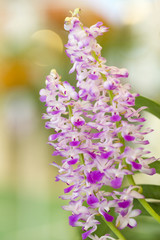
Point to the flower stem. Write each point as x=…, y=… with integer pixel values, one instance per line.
x=115, y=230
x=81, y=157
x=70, y=111
x=111, y=95
x=144, y=203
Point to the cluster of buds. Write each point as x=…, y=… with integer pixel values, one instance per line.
x=95, y=127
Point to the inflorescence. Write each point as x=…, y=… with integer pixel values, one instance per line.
x=96, y=128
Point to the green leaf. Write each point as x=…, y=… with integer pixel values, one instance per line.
x=156, y=165
x=152, y=107
x=151, y=191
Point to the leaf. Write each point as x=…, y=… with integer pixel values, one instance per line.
x=155, y=206
x=151, y=191
x=156, y=165
x=152, y=107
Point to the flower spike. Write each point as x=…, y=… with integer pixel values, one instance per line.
x=93, y=128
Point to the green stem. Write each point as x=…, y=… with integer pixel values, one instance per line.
x=111, y=95
x=81, y=158
x=115, y=230
x=70, y=111
x=95, y=56
x=149, y=209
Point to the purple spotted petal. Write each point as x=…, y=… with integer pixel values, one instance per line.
x=92, y=155
x=94, y=176
x=98, y=24
x=43, y=98
x=119, y=72
x=55, y=136
x=109, y=85
x=74, y=143
x=73, y=219
x=136, y=165
x=107, y=216
x=55, y=112
x=106, y=155
x=132, y=223
x=77, y=121
x=92, y=200
x=87, y=233
x=129, y=138
x=124, y=212
x=97, y=135
x=56, y=153
x=93, y=76
x=117, y=182
x=67, y=190
x=115, y=118
x=149, y=171
x=72, y=161
x=153, y=171
x=124, y=204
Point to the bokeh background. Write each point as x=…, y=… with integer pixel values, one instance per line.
x=31, y=44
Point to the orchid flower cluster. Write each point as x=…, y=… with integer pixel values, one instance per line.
x=95, y=126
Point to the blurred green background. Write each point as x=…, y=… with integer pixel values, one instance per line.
x=31, y=44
